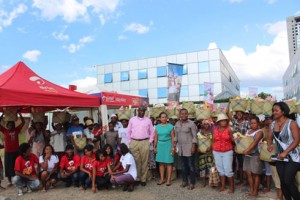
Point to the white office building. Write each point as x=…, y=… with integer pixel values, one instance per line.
x=148, y=77
x=291, y=78
x=293, y=31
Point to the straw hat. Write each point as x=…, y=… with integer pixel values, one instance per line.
x=222, y=116
x=89, y=122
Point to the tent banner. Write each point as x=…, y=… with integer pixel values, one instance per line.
x=115, y=99
x=175, y=72
x=209, y=94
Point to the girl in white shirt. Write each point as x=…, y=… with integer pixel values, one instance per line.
x=49, y=166
x=128, y=175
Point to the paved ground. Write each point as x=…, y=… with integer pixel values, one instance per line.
x=150, y=192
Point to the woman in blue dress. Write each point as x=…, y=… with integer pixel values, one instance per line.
x=163, y=148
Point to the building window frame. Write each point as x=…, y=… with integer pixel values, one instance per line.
x=124, y=76
x=143, y=74
x=161, y=71
x=108, y=78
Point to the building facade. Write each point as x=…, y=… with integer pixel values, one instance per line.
x=148, y=77
x=293, y=29
x=291, y=78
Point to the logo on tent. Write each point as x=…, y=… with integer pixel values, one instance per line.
x=41, y=83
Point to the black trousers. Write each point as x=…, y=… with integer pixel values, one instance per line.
x=287, y=172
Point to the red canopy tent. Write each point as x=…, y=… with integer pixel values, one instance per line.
x=20, y=86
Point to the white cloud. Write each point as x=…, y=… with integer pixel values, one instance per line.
x=4, y=67
x=235, y=1
x=32, y=55
x=22, y=30
x=266, y=65
x=74, y=10
x=270, y=1
x=72, y=48
x=61, y=35
x=85, y=82
x=275, y=28
x=212, y=45
x=69, y=10
x=122, y=37
x=6, y=19
x=138, y=28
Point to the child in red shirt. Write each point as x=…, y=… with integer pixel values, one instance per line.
x=86, y=167
x=69, y=166
x=25, y=170
x=101, y=166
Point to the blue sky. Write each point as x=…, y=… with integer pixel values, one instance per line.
x=62, y=40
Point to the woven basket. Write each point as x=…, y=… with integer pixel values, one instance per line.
x=190, y=107
x=257, y=107
x=292, y=105
x=38, y=117
x=204, y=144
x=298, y=108
x=124, y=114
x=156, y=111
x=80, y=142
x=268, y=107
x=264, y=154
x=243, y=143
x=203, y=113
x=59, y=117
x=10, y=114
x=239, y=104
x=172, y=112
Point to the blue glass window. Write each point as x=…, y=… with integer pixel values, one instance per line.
x=124, y=76
x=143, y=92
x=162, y=92
x=142, y=74
x=204, y=66
x=201, y=89
x=108, y=78
x=161, y=71
x=185, y=71
x=184, y=91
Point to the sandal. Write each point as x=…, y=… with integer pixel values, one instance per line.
x=161, y=183
x=183, y=185
x=191, y=187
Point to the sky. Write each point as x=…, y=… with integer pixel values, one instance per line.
x=63, y=40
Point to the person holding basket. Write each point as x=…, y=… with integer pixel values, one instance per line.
x=286, y=134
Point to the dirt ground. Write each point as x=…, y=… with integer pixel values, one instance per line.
x=151, y=192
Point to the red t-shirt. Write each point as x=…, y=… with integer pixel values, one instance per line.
x=26, y=167
x=101, y=167
x=67, y=164
x=11, y=139
x=222, y=140
x=87, y=163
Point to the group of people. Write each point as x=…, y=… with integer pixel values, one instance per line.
x=91, y=157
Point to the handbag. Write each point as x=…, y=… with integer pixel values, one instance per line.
x=214, y=178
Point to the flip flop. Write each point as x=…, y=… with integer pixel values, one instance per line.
x=161, y=183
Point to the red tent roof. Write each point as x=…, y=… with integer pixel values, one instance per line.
x=20, y=86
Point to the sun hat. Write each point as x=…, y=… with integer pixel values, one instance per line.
x=89, y=122
x=221, y=117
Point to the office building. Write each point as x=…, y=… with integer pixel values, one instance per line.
x=148, y=77
x=293, y=29
x=291, y=78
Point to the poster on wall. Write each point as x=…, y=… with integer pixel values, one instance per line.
x=209, y=94
x=175, y=72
